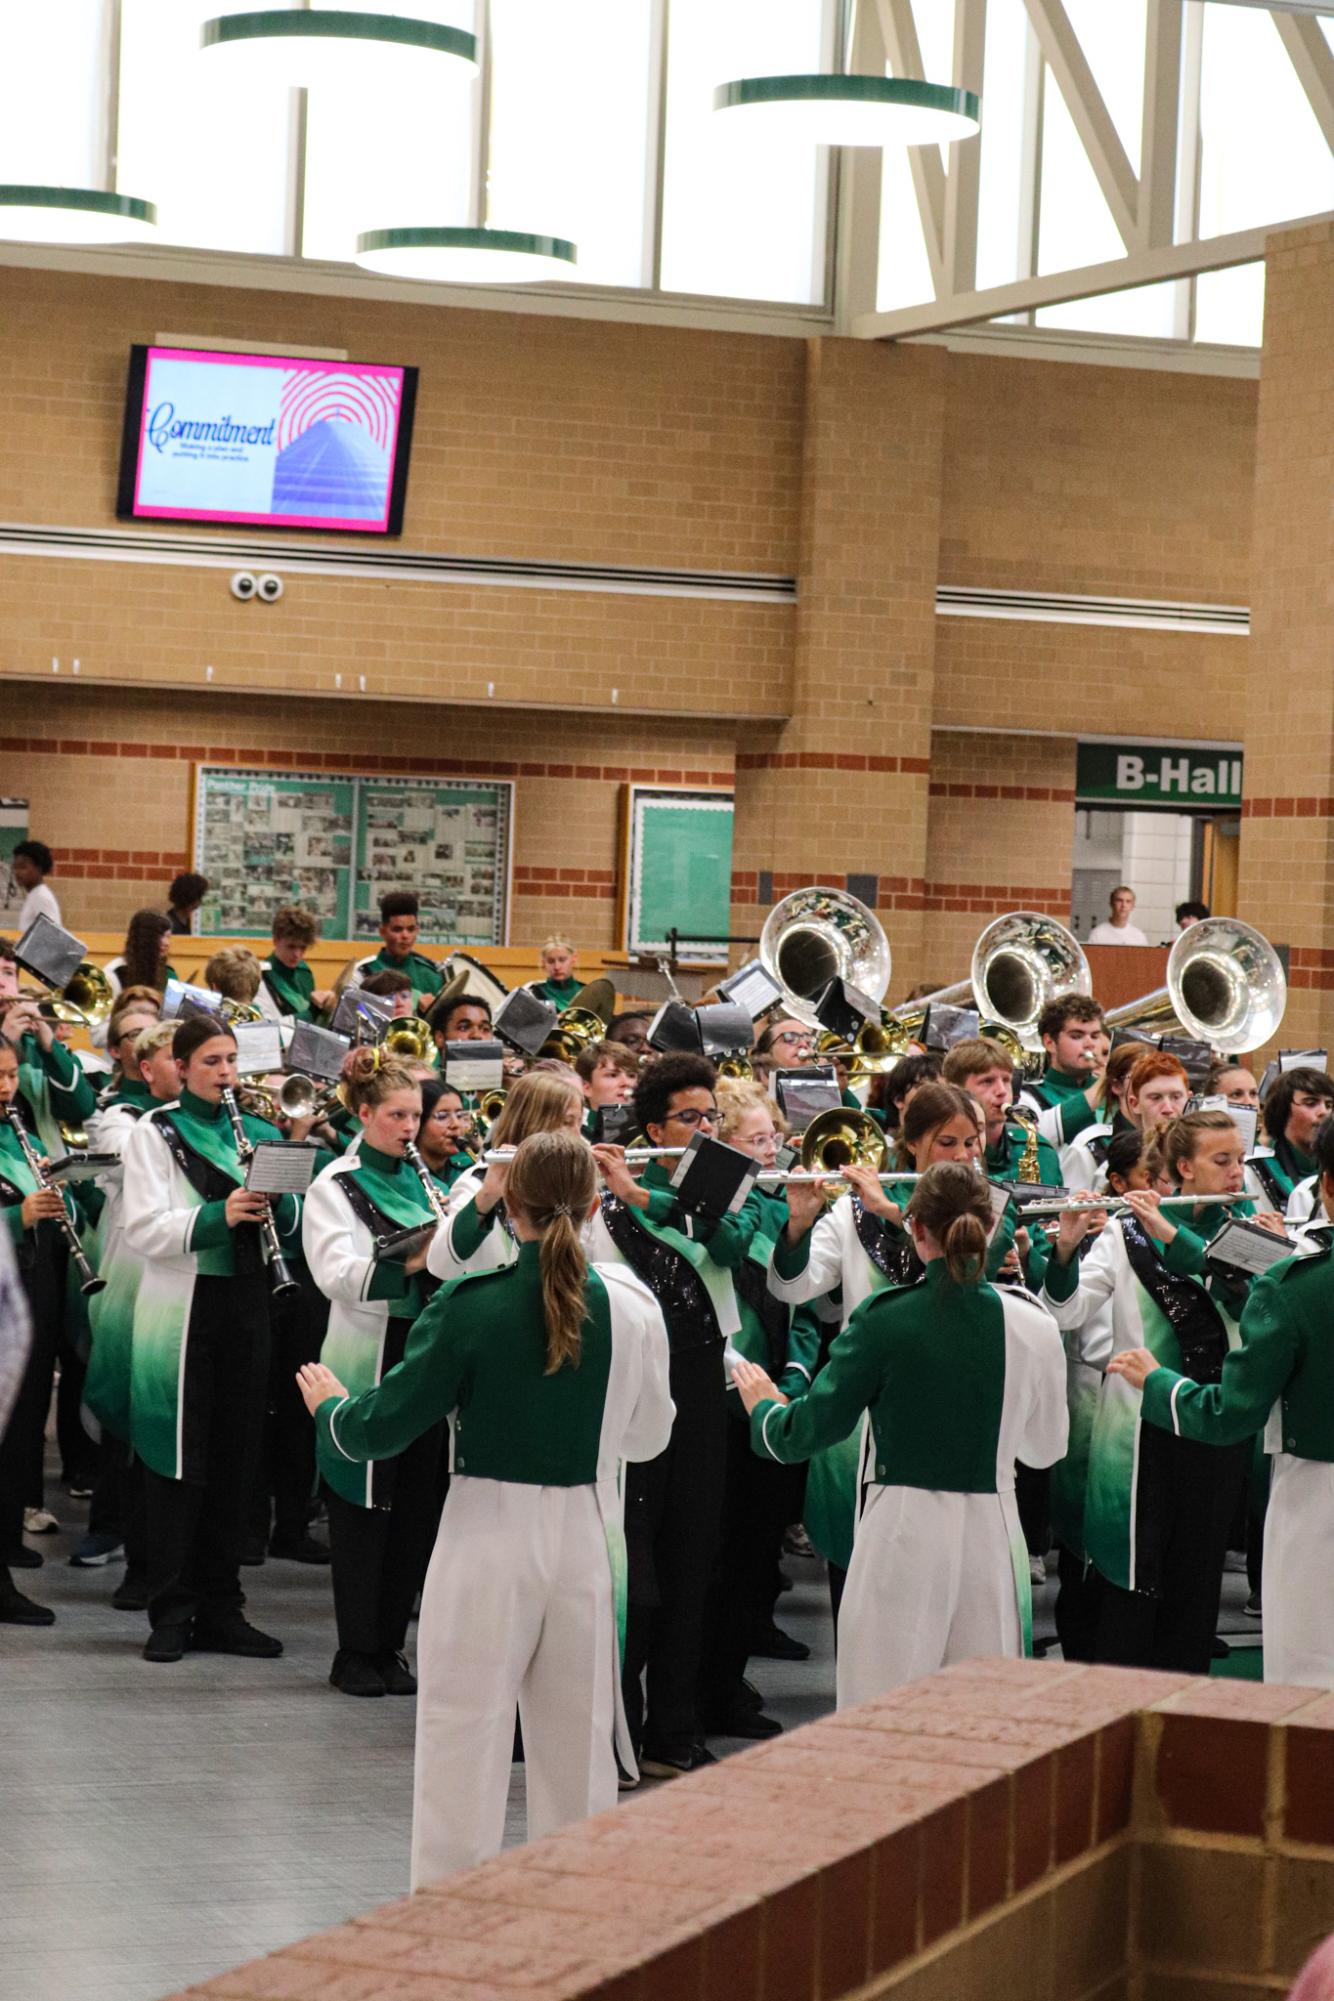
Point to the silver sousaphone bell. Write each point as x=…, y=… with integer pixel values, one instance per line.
x=1225, y=986
x=816, y=935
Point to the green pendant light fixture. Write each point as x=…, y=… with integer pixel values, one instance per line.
x=834, y=110
x=466, y=255
x=306, y=47
x=30, y=214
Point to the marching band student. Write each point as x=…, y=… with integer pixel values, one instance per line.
x=1296, y=1106
x=1157, y=1511
x=288, y=978
x=1234, y=1081
x=1067, y=1096
x=395, y=987
x=184, y=897
x=608, y=1072
x=131, y=1015
x=760, y=1499
x=444, y=1128
x=463, y=1018
x=32, y=1215
x=891, y=1089
x=1084, y=1161
x=478, y=1236
x=1157, y=1089
x=556, y=1372
x=31, y=863
x=558, y=983
x=784, y=1043
x=381, y=1520
x=984, y=1069
x=959, y=1381
x=237, y=975
x=398, y=954
x=631, y=1028
x=1280, y=1380
x=857, y=1246
x=200, y=1351
x=144, y=962
x=149, y=1077
x=673, y=1502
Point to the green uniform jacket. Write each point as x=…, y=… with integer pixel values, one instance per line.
x=1056, y=1091
x=560, y=993
x=291, y=987
x=424, y=973
x=1003, y=1159
x=1286, y=1359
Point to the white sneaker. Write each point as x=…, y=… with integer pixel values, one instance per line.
x=39, y=1521
x=1037, y=1570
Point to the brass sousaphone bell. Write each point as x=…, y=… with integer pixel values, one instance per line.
x=1225, y=986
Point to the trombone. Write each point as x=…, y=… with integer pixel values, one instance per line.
x=85, y=1001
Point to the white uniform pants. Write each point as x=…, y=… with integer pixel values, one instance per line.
x=517, y=1609
x=932, y=1580
x=1299, y=1546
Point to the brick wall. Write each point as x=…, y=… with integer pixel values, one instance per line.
x=1006, y=1828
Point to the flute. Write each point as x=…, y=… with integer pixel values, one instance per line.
x=89, y=1282
x=787, y=1177
x=635, y=1156
x=281, y=1280
x=1116, y=1205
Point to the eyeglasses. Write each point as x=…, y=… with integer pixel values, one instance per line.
x=691, y=1118
x=790, y=1035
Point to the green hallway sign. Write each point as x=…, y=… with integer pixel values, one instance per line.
x=1181, y=778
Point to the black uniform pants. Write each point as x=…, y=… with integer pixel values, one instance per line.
x=1175, y=1628
x=380, y=1554
x=285, y=1480
x=757, y=1507
x=673, y=1514
x=42, y=1260
x=195, y=1526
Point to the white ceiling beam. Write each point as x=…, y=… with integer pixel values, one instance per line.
x=1092, y=120
x=965, y=168
x=1310, y=55
x=861, y=168
x=1159, y=133
x=1090, y=281
x=904, y=53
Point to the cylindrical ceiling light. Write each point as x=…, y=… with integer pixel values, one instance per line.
x=73, y=215
x=466, y=256
x=828, y=110
x=307, y=47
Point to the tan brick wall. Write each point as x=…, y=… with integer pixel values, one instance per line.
x=109, y=784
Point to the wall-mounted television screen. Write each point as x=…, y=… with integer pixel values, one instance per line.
x=269, y=440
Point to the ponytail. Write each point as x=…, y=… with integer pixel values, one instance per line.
x=552, y=1179
x=953, y=1202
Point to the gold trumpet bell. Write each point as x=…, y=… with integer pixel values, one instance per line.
x=86, y=1000
x=577, y=1028
x=839, y=1138
x=739, y=1068
x=410, y=1039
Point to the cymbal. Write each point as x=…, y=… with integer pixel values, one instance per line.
x=598, y=997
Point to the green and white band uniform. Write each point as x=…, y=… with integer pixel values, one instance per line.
x=106, y=1389
x=57, y=1091
x=289, y=988
x=521, y=1598
x=471, y=1241
x=180, y=1237
x=857, y=1254
x=1281, y=1379
x=1104, y=1307
x=958, y=1382
x=1274, y=1173
x=424, y=973
x=1002, y=1160
x=561, y=993
x=1061, y=1103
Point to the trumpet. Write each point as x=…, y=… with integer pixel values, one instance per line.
x=89, y=1282
x=301, y=1097
x=281, y=1280
x=409, y=1038
x=85, y=1001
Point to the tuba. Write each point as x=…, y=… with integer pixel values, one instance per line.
x=816, y=935
x=1225, y=986
x=1020, y=962
x=576, y=1029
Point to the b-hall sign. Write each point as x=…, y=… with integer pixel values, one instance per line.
x=1180, y=778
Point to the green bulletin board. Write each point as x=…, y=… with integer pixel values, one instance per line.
x=677, y=869
x=13, y=829
x=336, y=842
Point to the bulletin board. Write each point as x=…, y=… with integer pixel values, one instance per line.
x=336, y=842
x=13, y=829
x=676, y=869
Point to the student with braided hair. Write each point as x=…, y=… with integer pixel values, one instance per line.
x=553, y=1371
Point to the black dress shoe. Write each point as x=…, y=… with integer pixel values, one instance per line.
x=771, y=1643
x=16, y=1610
x=234, y=1636
x=676, y=1764
x=131, y=1594
x=396, y=1675
x=743, y=1722
x=166, y=1643
x=253, y=1551
x=301, y=1549
x=355, y=1674
x=23, y=1558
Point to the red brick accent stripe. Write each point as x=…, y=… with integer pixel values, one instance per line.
x=1060, y=795
x=1287, y=807
x=1311, y=968
x=358, y=762
x=117, y=864
x=827, y=760
x=585, y=884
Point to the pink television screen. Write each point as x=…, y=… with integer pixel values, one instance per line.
x=269, y=440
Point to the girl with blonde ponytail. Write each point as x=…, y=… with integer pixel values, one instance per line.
x=959, y=1381
x=553, y=1371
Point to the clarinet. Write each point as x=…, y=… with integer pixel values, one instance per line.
x=88, y=1280
x=281, y=1281
x=439, y=1207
